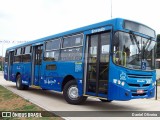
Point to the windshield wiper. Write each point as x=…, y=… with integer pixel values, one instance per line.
x=133, y=38
x=147, y=44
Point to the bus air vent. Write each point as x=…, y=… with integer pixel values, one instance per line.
x=139, y=76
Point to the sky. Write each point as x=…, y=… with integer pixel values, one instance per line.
x=26, y=20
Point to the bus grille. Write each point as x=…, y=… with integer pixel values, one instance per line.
x=138, y=85
x=139, y=76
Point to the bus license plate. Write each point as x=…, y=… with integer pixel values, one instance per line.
x=140, y=91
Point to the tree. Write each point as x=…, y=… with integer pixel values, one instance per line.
x=158, y=46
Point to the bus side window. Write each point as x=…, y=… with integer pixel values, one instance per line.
x=52, y=50
x=18, y=55
x=38, y=56
x=26, y=57
x=6, y=56
x=72, y=47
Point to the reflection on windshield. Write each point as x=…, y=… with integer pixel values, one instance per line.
x=133, y=51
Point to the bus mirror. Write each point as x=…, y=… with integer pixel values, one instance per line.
x=120, y=58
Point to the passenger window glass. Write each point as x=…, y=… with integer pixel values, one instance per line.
x=18, y=51
x=27, y=50
x=71, y=54
x=51, y=55
x=6, y=56
x=71, y=41
x=52, y=50
x=53, y=45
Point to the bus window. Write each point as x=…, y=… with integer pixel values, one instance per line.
x=27, y=50
x=72, y=48
x=75, y=40
x=71, y=54
x=38, y=56
x=26, y=54
x=18, y=51
x=17, y=57
x=52, y=50
x=52, y=45
x=6, y=56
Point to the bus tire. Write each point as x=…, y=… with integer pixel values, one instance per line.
x=70, y=93
x=103, y=100
x=19, y=84
x=26, y=87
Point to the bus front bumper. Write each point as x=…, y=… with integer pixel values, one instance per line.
x=117, y=92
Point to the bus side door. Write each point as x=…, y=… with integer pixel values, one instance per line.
x=10, y=65
x=36, y=64
x=97, y=62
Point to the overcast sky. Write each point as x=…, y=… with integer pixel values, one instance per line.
x=22, y=20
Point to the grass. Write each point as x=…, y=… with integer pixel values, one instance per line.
x=12, y=102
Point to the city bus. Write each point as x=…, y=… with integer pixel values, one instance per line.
x=109, y=60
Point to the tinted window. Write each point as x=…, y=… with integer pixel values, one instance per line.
x=71, y=41
x=18, y=52
x=52, y=45
x=6, y=56
x=26, y=58
x=17, y=58
x=52, y=50
x=139, y=28
x=27, y=50
x=51, y=55
x=71, y=54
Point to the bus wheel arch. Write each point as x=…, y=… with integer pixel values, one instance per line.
x=67, y=79
x=19, y=84
x=70, y=92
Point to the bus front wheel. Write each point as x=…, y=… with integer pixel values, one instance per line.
x=70, y=93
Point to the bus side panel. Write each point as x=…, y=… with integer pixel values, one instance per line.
x=26, y=75
x=53, y=79
x=50, y=78
x=17, y=69
x=74, y=69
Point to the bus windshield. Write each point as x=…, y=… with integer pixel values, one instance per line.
x=133, y=52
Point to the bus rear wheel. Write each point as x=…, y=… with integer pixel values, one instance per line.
x=70, y=93
x=19, y=84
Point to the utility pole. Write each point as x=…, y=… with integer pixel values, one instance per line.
x=111, y=9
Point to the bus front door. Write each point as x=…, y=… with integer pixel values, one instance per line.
x=36, y=66
x=97, y=64
x=10, y=66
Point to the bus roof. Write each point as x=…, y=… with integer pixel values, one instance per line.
x=115, y=22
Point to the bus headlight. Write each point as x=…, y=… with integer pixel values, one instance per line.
x=115, y=81
x=122, y=83
x=119, y=82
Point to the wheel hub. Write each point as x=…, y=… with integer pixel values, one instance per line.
x=73, y=92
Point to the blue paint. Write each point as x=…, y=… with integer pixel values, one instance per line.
x=53, y=79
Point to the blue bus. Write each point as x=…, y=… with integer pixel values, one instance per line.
x=110, y=60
